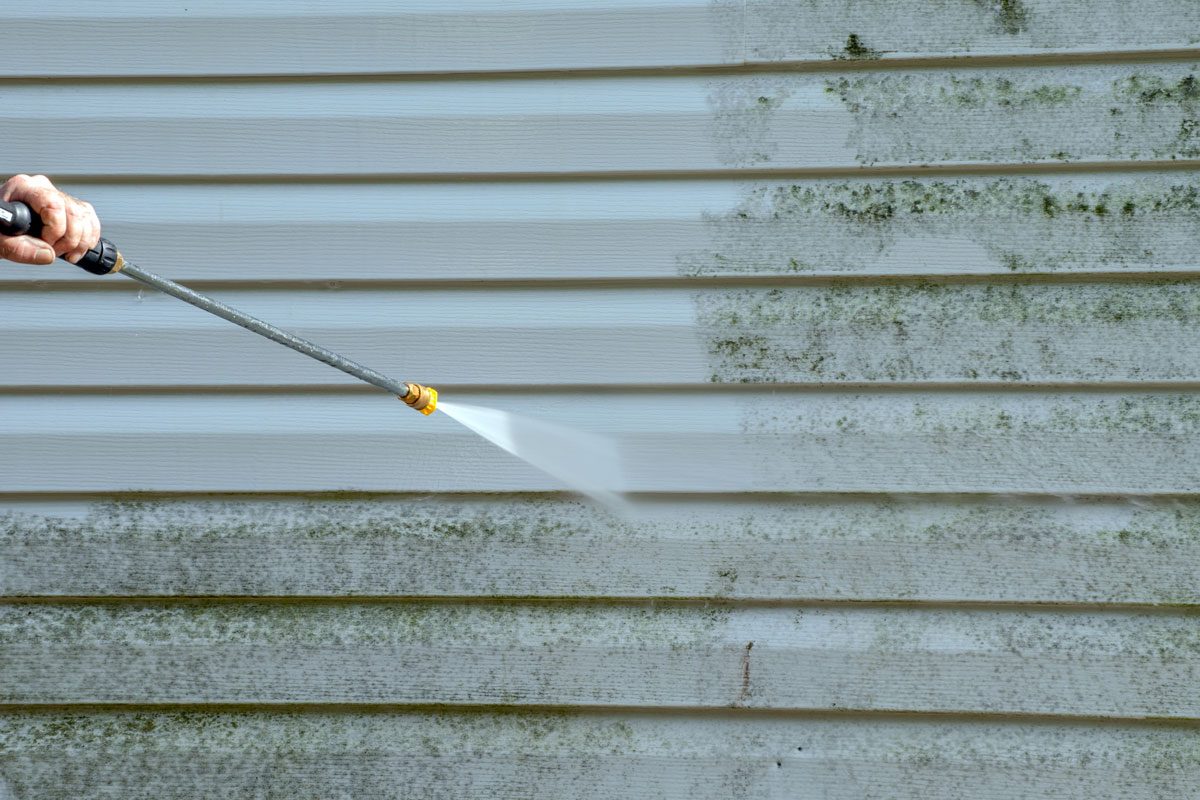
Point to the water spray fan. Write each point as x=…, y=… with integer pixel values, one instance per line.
x=17, y=219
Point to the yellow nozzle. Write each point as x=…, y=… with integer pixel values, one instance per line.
x=422, y=398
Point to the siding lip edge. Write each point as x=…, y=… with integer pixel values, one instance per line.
x=887, y=62
x=722, y=602
x=732, y=388
x=582, y=710
x=632, y=283
x=964, y=169
x=337, y=495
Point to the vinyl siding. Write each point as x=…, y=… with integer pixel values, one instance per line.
x=903, y=294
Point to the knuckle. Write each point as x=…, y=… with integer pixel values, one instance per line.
x=12, y=187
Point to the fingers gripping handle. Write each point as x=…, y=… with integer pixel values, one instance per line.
x=18, y=219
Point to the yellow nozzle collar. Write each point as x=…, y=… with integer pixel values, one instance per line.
x=422, y=398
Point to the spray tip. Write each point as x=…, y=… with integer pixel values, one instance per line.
x=422, y=398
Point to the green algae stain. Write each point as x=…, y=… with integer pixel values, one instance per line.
x=947, y=332
x=1018, y=115
x=389, y=546
x=856, y=50
x=883, y=95
x=1149, y=89
x=126, y=751
x=173, y=624
x=1011, y=15
x=1154, y=95
x=1019, y=224
x=508, y=519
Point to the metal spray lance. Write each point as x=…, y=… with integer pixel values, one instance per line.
x=17, y=219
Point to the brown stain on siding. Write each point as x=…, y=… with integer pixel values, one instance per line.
x=744, y=692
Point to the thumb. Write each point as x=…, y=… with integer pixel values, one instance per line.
x=26, y=250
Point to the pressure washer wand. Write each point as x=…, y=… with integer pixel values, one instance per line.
x=17, y=219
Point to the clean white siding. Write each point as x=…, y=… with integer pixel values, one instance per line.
x=905, y=293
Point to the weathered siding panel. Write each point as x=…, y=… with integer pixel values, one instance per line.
x=1105, y=114
x=835, y=334
x=265, y=37
x=1113, y=442
x=935, y=549
x=614, y=230
x=889, y=306
x=481, y=756
x=882, y=659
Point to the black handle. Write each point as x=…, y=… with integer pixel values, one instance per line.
x=18, y=219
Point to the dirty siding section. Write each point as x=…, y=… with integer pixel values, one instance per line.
x=892, y=306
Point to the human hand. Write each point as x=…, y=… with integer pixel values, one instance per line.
x=69, y=226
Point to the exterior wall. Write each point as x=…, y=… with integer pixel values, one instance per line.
x=903, y=292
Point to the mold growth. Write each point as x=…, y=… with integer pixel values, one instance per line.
x=996, y=443
x=990, y=416
x=1155, y=96
x=892, y=93
x=505, y=547
x=505, y=519
x=855, y=50
x=468, y=753
x=346, y=547
x=940, y=332
x=965, y=225
x=1010, y=15
x=794, y=30
x=729, y=19
x=169, y=624
x=274, y=755
x=1150, y=89
x=1084, y=113
x=742, y=112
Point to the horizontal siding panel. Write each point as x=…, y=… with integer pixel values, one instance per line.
x=806, y=547
x=1104, y=222
x=1037, y=662
x=939, y=550
x=397, y=232
x=1060, y=443
x=883, y=29
x=611, y=125
x=264, y=37
x=1012, y=333
x=1075, y=333
x=271, y=38
x=61, y=756
x=466, y=336
x=606, y=230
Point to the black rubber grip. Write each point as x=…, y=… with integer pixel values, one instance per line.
x=17, y=219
